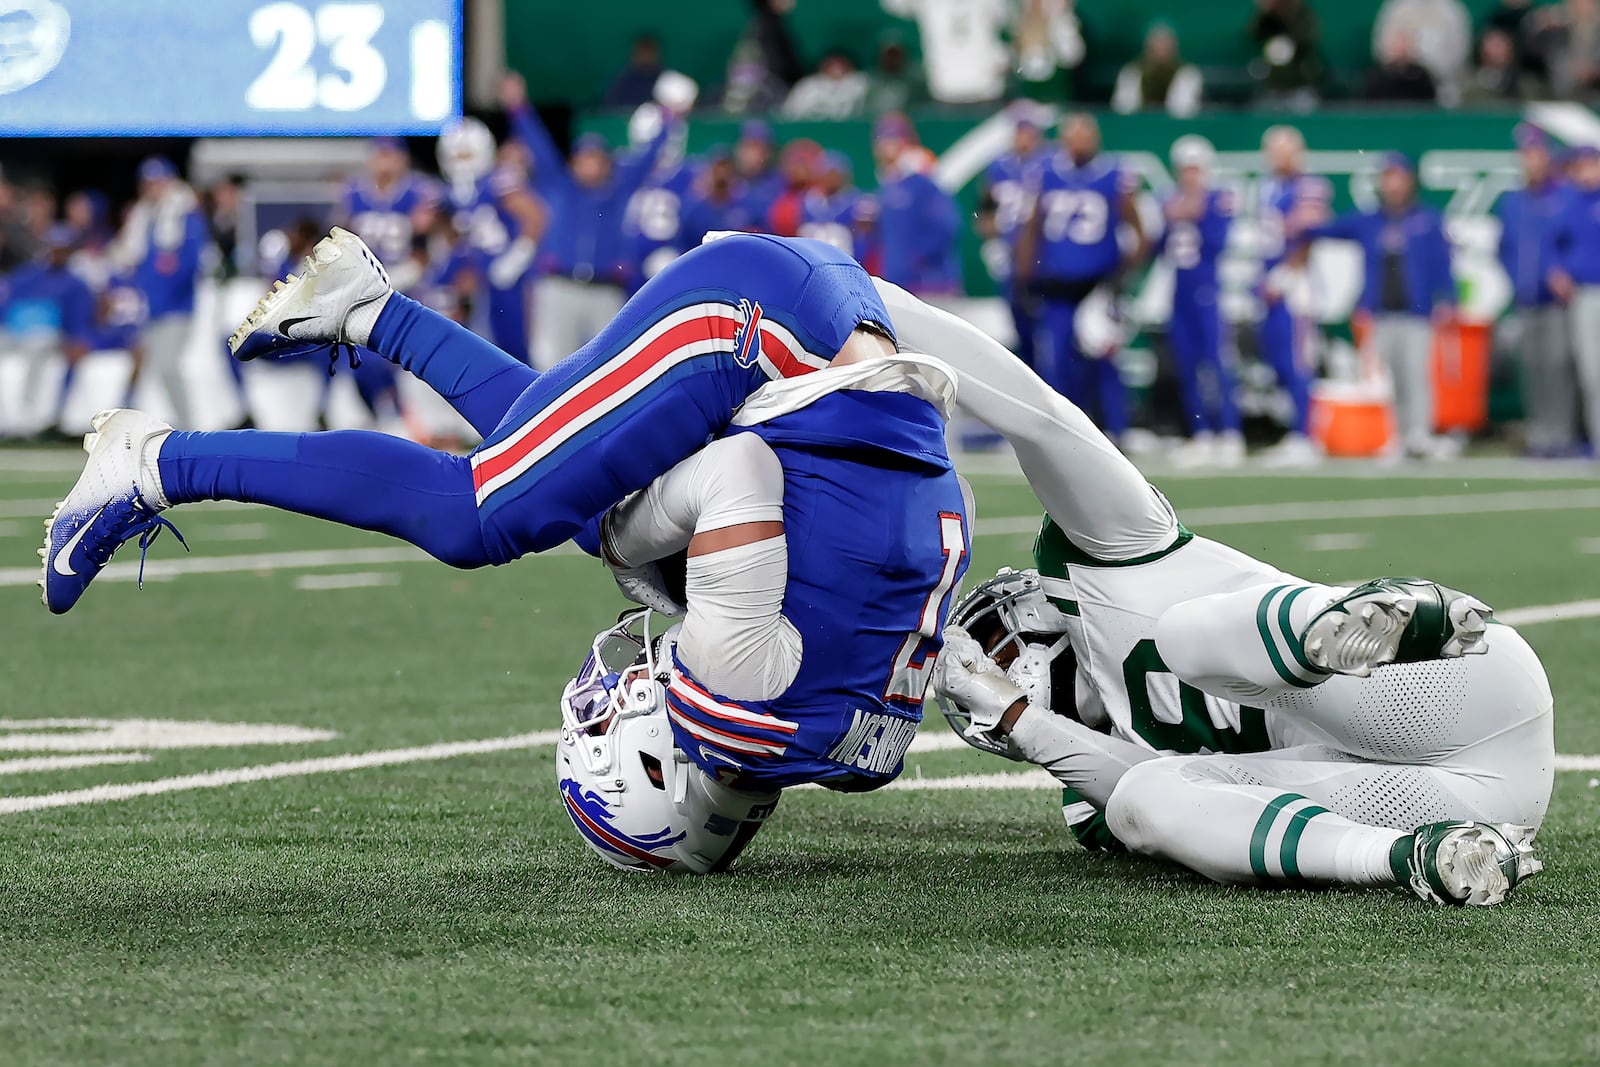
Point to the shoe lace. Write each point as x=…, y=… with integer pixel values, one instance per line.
x=144, y=523
x=348, y=351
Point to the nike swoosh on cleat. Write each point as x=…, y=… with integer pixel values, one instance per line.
x=63, y=560
x=288, y=324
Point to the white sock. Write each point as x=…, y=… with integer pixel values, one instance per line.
x=150, y=472
x=358, y=326
x=1246, y=645
x=1247, y=834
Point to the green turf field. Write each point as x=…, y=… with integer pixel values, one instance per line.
x=441, y=910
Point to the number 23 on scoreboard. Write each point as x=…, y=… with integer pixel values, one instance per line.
x=358, y=71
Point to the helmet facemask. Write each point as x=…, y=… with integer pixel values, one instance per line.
x=1026, y=635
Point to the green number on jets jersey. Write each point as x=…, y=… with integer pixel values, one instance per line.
x=1112, y=608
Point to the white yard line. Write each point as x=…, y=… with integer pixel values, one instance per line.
x=38, y=508
x=316, y=583
x=1340, y=510
x=1572, y=609
x=268, y=771
x=262, y=561
x=987, y=465
x=1033, y=780
x=1025, y=780
x=31, y=764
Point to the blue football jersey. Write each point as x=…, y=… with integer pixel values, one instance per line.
x=383, y=218
x=654, y=227
x=1193, y=247
x=834, y=220
x=1080, y=206
x=478, y=214
x=1286, y=206
x=878, y=541
x=1011, y=180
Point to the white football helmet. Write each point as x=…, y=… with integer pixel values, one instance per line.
x=1014, y=621
x=645, y=123
x=633, y=796
x=1101, y=324
x=466, y=151
x=1192, y=150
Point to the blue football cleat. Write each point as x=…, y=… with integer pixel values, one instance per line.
x=308, y=311
x=104, y=510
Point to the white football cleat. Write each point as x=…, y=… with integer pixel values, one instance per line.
x=116, y=499
x=1395, y=620
x=1475, y=864
x=314, y=308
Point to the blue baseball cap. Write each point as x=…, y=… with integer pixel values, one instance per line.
x=1399, y=161
x=388, y=144
x=590, y=142
x=1527, y=135
x=837, y=162
x=894, y=125
x=156, y=168
x=1585, y=152
x=756, y=130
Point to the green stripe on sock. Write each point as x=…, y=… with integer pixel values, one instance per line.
x=1258, y=839
x=1400, y=858
x=1272, y=645
x=1289, y=851
x=1296, y=649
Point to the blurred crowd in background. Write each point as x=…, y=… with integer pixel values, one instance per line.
x=984, y=51
x=537, y=248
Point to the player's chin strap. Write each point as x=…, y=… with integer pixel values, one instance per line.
x=1030, y=671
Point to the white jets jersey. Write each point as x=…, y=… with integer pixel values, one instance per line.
x=1123, y=685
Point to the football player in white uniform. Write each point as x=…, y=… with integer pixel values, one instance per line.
x=1219, y=713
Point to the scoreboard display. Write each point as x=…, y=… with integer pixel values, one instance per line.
x=219, y=67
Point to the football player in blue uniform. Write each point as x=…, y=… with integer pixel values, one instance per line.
x=1003, y=206
x=755, y=161
x=822, y=547
x=559, y=449
x=586, y=258
x=718, y=202
x=917, y=221
x=835, y=212
x=383, y=208
x=494, y=210
x=1070, y=256
x=1198, y=218
x=655, y=219
x=1290, y=201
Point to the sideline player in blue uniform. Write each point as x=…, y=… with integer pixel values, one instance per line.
x=917, y=221
x=655, y=222
x=835, y=212
x=797, y=661
x=1070, y=248
x=1002, y=209
x=495, y=212
x=1198, y=218
x=559, y=449
x=382, y=208
x=1290, y=201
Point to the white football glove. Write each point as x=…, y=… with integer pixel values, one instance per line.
x=970, y=679
x=645, y=587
